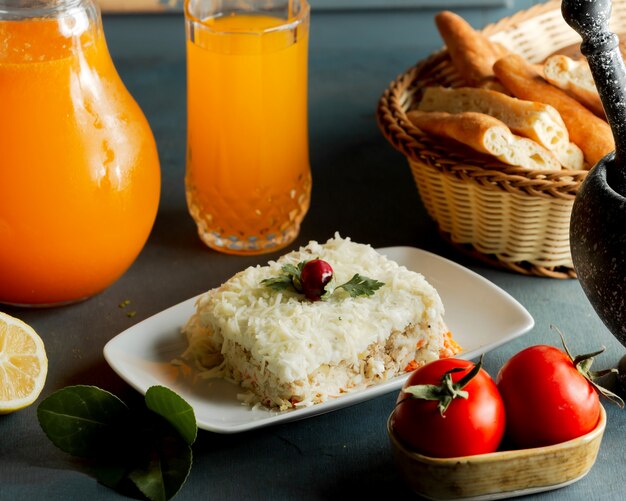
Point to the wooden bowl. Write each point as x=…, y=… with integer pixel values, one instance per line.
x=498, y=475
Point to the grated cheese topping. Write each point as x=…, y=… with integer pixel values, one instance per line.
x=291, y=336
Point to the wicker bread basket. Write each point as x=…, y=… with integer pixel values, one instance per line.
x=505, y=215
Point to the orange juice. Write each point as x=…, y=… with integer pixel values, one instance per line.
x=248, y=178
x=79, y=172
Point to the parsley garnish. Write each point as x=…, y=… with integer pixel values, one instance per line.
x=290, y=279
x=359, y=285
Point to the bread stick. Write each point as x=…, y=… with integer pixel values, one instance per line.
x=471, y=52
x=537, y=121
x=574, y=77
x=592, y=134
x=487, y=135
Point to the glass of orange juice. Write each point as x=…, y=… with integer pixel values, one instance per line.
x=79, y=171
x=248, y=179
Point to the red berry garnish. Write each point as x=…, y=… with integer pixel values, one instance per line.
x=314, y=277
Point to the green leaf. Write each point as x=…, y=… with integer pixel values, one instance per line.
x=291, y=270
x=279, y=283
x=359, y=285
x=296, y=277
x=82, y=420
x=174, y=410
x=110, y=474
x=288, y=279
x=166, y=469
x=138, y=452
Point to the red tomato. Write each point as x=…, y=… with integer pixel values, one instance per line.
x=472, y=425
x=547, y=400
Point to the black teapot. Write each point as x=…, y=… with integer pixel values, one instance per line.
x=598, y=220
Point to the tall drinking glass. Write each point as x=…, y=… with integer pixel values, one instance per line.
x=248, y=180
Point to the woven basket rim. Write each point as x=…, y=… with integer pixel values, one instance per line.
x=419, y=147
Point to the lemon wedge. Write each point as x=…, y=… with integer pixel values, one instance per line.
x=23, y=364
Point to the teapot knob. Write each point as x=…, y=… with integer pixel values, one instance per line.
x=590, y=19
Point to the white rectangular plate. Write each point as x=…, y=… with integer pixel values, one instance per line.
x=480, y=315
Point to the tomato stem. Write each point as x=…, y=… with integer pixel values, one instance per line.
x=447, y=391
x=583, y=366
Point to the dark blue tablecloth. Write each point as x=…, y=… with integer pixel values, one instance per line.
x=363, y=189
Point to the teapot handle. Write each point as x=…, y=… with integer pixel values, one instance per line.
x=590, y=19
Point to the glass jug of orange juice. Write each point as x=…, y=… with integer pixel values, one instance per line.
x=79, y=170
x=248, y=180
